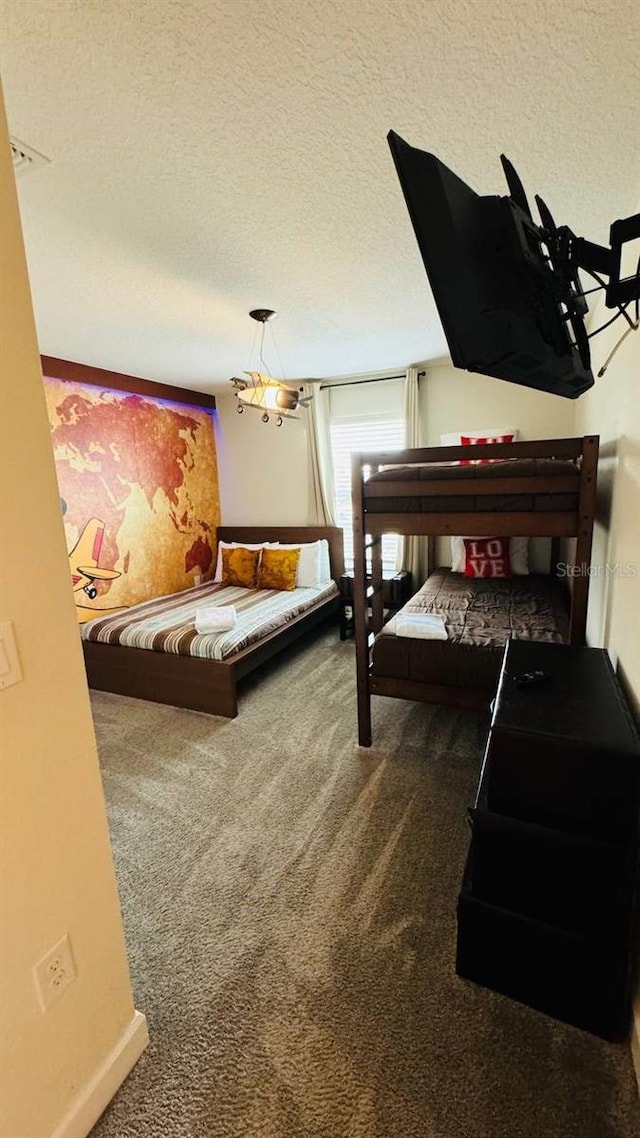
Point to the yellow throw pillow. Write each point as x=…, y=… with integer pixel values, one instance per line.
x=240, y=567
x=278, y=569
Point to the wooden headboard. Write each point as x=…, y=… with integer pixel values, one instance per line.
x=290, y=534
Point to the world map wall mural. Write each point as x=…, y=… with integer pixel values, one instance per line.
x=138, y=485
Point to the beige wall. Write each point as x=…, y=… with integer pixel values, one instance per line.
x=612, y=410
x=455, y=400
x=56, y=874
x=263, y=469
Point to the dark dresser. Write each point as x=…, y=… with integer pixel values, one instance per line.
x=547, y=909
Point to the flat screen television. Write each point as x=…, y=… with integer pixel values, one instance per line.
x=507, y=309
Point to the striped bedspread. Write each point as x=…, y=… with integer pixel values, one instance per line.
x=166, y=624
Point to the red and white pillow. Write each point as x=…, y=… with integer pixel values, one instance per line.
x=475, y=438
x=518, y=554
x=487, y=557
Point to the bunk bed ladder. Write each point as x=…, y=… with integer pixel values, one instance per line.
x=586, y=512
x=364, y=597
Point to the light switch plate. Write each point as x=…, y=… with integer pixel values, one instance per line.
x=10, y=670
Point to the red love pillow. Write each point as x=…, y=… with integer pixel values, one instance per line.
x=476, y=440
x=487, y=557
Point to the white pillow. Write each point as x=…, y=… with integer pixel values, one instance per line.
x=518, y=555
x=325, y=563
x=310, y=569
x=237, y=545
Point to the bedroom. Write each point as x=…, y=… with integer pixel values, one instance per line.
x=64, y=864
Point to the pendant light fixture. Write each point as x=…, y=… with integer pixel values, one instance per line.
x=272, y=397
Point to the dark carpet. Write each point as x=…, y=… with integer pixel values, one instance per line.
x=289, y=903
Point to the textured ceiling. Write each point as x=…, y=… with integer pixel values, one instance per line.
x=210, y=156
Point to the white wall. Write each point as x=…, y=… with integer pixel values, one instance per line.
x=56, y=874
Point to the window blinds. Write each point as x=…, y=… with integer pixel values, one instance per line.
x=353, y=436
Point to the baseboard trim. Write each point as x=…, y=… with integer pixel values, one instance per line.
x=96, y=1095
x=635, y=1041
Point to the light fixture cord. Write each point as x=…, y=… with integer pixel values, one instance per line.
x=253, y=347
x=275, y=345
x=263, y=365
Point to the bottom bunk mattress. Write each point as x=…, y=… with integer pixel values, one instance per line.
x=480, y=615
x=167, y=624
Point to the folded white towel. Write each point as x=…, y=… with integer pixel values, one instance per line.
x=215, y=618
x=422, y=625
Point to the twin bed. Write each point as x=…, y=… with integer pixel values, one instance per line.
x=153, y=651
x=544, y=488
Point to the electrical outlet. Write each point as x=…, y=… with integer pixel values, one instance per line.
x=54, y=973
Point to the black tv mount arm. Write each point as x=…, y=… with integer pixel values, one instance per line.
x=556, y=252
x=573, y=253
x=599, y=259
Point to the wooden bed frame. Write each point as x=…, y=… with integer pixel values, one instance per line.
x=368, y=527
x=210, y=685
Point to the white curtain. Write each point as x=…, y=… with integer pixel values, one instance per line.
x=410, y=548
x=322, y=493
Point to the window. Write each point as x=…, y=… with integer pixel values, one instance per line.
x=351, y=436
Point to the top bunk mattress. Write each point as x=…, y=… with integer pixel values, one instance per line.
x=424, y=496
x=167, y=624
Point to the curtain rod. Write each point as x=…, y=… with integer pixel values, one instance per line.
x=361, y=382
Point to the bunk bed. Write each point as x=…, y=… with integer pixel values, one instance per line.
x=543, y=488
x=163, y=668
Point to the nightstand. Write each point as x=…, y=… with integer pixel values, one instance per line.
x=396, y=591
